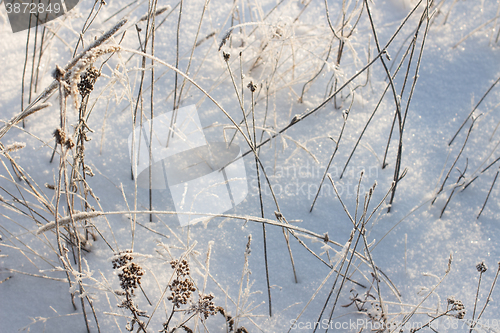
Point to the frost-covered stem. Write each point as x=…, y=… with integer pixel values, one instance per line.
x=138, y=101
x=301, y=99
x=76, y=235
x=171, y=315
x=134, y=312
x=86, y=26
x=489, y=294
x=412, y=45
x=66, y=265
x=40, y=52
x=397, y=102
x=55, y=84
x=244, y=272
x=475, y=301
x=474, y=109
x=489, y=192
x=346, y=253
x=428, y=324
x=153, y=30
x=346, y=114
x=374, y=111
x=260, y=198
x=402, y=124
x=173, y=118
x=184, y=322
x=242, y=107
x=361, y=230
x=24, y=68
x=192, y=50
x=375, y=272
x=316, y=109
x=454, y=162
x=33, y=62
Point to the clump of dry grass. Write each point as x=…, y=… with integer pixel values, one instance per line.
x=275, y=65
x=130, y=278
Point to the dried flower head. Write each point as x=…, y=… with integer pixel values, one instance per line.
x=205, y=306
x=87, y=81
x=481, y=267
x=181, y=268
x=181, y=287
x=131, y=273
x=252, y=86
x=181, y=291
x=458, y=306
x=60, y=136
x=62, y=139
x=226, y=56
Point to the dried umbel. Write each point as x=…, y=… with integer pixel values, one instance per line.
x=205, y=306
x=458, y=306
x=181, y=287
x=181, y=291
x=181, y=268
x=131, y=273
x=124, y=258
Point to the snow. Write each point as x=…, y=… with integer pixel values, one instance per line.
x=411, y=245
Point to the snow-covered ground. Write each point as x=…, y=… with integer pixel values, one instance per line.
x=279, y=46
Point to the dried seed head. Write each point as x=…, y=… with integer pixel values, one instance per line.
x=60, y=136
x=252, y=86
x=181, y=268
x=131, y=273
x=182, y=287
x=226, y=56
x=481, y=267
x=69, y=143
x=458, y=306
x=205, y=306
x=248, y=250
x=14, y=147
x=87, y=81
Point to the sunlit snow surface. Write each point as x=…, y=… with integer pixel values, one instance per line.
x=411, y=244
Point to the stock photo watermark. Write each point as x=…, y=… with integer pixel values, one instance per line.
x=304, y=180
x=26, y=14
x=355, y=325
x=204, y=178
